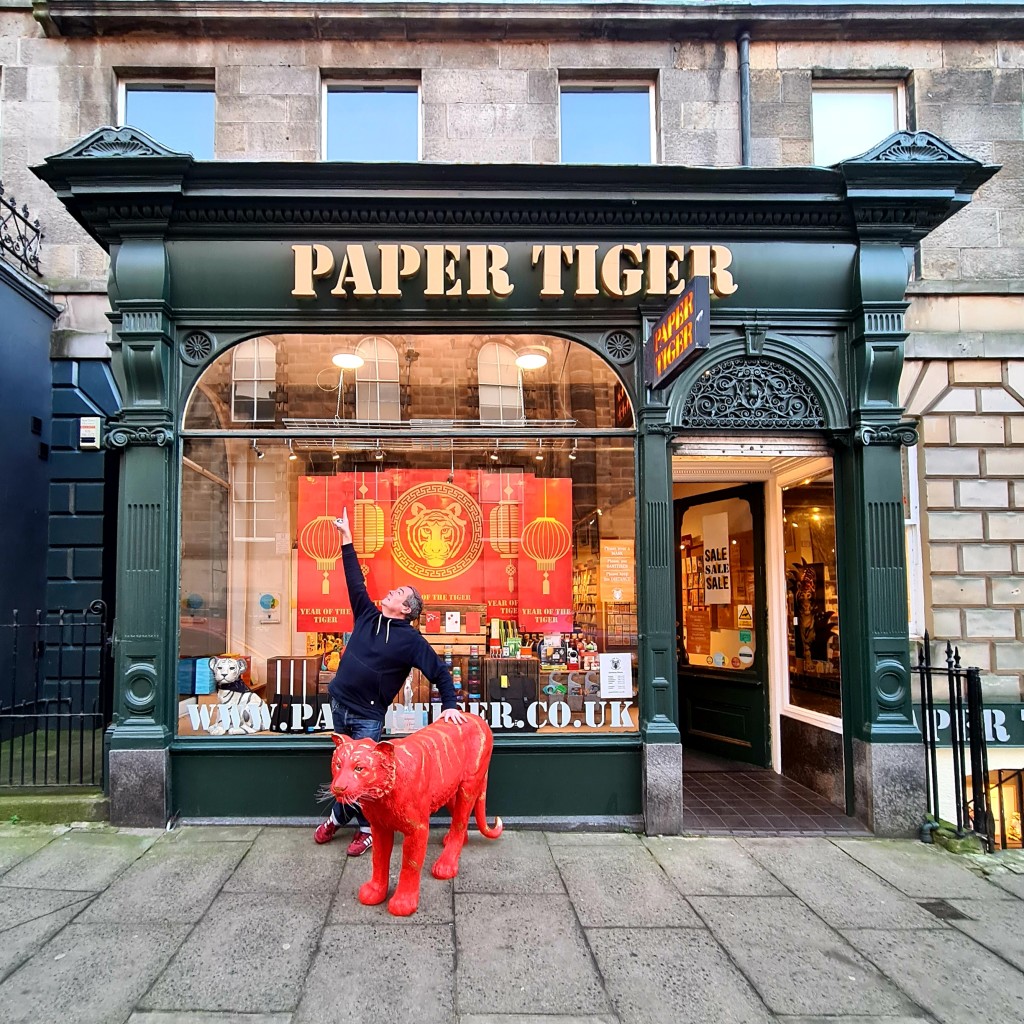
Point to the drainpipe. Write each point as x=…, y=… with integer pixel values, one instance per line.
x=743, y=55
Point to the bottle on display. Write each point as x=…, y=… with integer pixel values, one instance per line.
x=448, y=656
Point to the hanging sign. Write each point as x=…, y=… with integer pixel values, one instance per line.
x=717, y=574
x=683, y=331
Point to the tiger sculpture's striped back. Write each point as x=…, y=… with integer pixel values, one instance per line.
x=398, y=784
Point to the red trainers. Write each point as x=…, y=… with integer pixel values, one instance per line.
x=325, y=831
x=361, y=842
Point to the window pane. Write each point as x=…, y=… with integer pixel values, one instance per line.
x=381, y=125
x=606, y=127
x=180, y=119
x=812, y=602
x=848, y=122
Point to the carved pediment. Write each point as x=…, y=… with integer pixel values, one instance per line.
x=911, y=147
x=117, y=142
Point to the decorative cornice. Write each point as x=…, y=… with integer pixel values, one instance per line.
x=911, y=147
x=126, y=142
x=904, y=434
x=123, y=435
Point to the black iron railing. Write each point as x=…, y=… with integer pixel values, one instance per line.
x=971, y=810
x=20, y=236
x=55, y=698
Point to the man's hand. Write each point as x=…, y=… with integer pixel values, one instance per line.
x=453, y=715
x=342, y=524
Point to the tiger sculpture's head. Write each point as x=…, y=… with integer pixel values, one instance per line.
x=361, y=769
x=435, y=534
x=227, y=671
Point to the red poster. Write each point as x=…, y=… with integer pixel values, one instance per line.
x=501, y=499
x=545, y=556
x=438, y=534
x=322, y=603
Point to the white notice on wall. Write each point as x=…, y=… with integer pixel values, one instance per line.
x=616, y=675
x=717, y=579
x=453, y=622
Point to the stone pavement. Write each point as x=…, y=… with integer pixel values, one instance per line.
x=259, y=925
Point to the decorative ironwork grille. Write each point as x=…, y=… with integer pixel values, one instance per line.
x=20, y=237
x=752, y=394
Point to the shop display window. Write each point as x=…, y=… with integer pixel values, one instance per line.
x=812, y=602
x=520, y=536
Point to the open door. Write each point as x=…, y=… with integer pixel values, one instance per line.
x=722, y=623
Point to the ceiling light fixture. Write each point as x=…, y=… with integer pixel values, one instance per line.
x=533, y=357
x=540, y=451
x=572, y=454
x=292, y=457
x=347, y=360
x=256, y=448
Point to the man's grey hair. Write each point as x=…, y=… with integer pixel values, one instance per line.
x=414, y=602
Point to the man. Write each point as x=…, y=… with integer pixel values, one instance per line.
x=383, y=648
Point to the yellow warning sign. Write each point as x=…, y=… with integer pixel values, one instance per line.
x=744, y=620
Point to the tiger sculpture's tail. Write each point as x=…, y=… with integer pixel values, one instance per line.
x=480, y=813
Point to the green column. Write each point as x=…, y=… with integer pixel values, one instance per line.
x=882, y=740
x=145, y=624
x=659, y=703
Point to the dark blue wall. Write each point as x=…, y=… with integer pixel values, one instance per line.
x=83, y=489
x=26, y=320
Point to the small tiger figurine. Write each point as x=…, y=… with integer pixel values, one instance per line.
x=398, y=784
x=238, y=703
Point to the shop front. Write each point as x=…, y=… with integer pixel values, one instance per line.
x=634, y=434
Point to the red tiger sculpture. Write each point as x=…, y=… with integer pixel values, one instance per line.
x=399, y=784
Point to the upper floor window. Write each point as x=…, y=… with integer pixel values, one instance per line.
x=606, y=123
x=178, y=115
x=378, y=395
x=253, y=381
x=849, y=118
x=372, y=122
x=501, y=399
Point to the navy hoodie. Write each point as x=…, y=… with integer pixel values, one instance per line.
x=380, y=653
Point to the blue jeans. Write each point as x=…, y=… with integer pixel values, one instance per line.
x=348, y=723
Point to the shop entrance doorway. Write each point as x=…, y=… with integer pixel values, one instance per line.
x=721, y=625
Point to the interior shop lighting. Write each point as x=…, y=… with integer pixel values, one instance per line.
x=572, y=454
x=292, y=457
x=532, y=357
x=347, y=360
x=378, y=453
x=257, y=449
x=540, y=451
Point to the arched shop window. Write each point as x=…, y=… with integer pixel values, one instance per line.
x=500, y=397
x=377, y=386
x=518, y=531
x=253, y=381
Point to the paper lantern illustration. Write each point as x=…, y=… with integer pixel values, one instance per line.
x=320, y=540
x=367, y=524
x=546, y=540
x=504, y=530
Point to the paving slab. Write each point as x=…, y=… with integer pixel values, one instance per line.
x=88, y=973
x=533, y=1018
x=836, y=887
x=796, y=963
x=214, y=833
x=169, y=882
x=996, y=924
x=593, y=838
x=79, y=861
x=377, y=974
x=919, y=870
x=613, y=886
x=1008, y=883
x=673, y=976
x=19, y=943
x=249, y=954
x=191, y=1017
x=946, y=973
x=851, y=1020
x=515, y=863
x=713, y=867
x=20, y=906
x=15, y=848
x=287, y=860
x=436, y=906
x=524, y=954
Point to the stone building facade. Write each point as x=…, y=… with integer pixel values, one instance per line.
x=489, y=82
